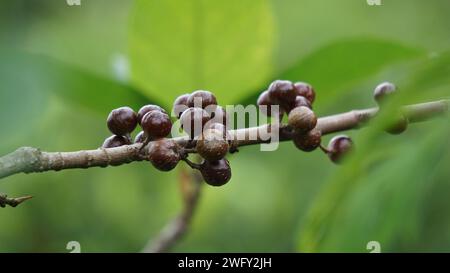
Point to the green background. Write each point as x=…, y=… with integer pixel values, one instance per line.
x=63, y=68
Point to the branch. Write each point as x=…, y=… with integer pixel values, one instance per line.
x=31, y=160
x=190, y=185
x=13, y=202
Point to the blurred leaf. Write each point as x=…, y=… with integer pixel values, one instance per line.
x=344, y=63
x=348, y=61
x=44, y=75
x=27, y=81
x=181, y=46
x=350, y=211
x=380, y=193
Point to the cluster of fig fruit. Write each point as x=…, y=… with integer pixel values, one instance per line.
x=206, y=124
x=296, y=100
x=200, y=117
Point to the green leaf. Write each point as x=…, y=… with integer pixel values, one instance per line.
x=381, y=192
x=45, y=74
x=344, y=63
x=181, y=46
x=379, y=195
x=27, y=81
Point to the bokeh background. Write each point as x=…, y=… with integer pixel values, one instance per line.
x=63, y=68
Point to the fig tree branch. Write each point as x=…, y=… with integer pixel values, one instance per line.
x=33, y=160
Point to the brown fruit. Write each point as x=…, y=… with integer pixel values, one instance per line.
x=163, y=154
x=216, y=173
x=302, y=119
x=211, y=145
x=309, y=141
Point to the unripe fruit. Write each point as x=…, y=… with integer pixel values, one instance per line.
x=309, y=141
x=305, y=90
x=180, y=105
x=211, y=145
x=398, y=126
x=163, y=154
x=339, y=147
x=216, y=173
x=147, y=108
x=122, y=121
x=203, y=99
x=115, y=141
x=140, y=138
x=156, y=124
x=193, y=120
x=382, y=91
x=282, y=92
x=302, y=119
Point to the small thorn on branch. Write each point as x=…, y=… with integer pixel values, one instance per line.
x=12, y=202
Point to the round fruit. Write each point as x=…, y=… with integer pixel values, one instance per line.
x=156, y=124
x=147, y=108
x=217, y=114
x=305, y=90
x=339, y=147
x=122, y=121
x=265, y=100
x=220, y=127
x=212, y=145
x=115, y=141
x=163, y=154
x=201, y=99
x=309, y=141
x=180, y=105
x=302, y=119
x=193, y=120
x=300, y=101
x=383, y=90
x=282, y=92
x=216, y=173
x=398, y=126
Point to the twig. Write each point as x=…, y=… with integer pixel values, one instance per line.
x=13, y=202
x=30, y=160
x=190, y=185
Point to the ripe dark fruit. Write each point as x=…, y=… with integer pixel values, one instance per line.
x=339, y=147
x=147, y=108
x=302, y=119
x=398, y=126
x=156, y=124
x=163, y=154
x=212, y=145
x=201, y=99
x=115, y=141
x=309, y=141
x=218, y=114
x=180, y=104
x=216, y=173
x=122, y=121
x=140, y=138
x=193, y=120
x=305, y=90
x=300, y=101
x=382, y=91
x=282, y=92
x=265, y=100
